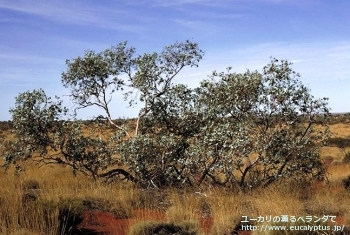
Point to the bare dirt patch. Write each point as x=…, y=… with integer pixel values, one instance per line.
x=103, y=223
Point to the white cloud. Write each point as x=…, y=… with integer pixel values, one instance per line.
x=221, y=3
x=316, y=62
x=192, y=24
x=110, y=17
x=176, y=2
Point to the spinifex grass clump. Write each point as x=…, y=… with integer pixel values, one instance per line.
x=152, y=199
x=151, y=228
x=340, y=142
x=63, y=214
x=346, y=158
x=31, y=191
x=119, y=209
x=346, y=183
x=30, y=185
x=69, y=211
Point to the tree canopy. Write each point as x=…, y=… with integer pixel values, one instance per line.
x=243, y=130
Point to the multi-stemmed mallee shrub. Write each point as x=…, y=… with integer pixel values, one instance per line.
x=43, y=138
x=243, y=130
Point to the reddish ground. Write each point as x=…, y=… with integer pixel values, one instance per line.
x=102, y=223
x=339, y=220
x=206, y=224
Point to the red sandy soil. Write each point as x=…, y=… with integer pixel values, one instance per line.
x=206, y=224
x=102, y=223
x=328, y=162
x=245, y=232
x=340, y=220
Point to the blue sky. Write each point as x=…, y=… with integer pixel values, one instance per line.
x=36, y=37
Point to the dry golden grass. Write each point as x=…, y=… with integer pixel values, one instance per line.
x=341, y=129
x=225, y=206
x=55, y=183
x=338, y=130
x=334, y=152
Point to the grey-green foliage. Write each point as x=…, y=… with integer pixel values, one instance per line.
x=261, y=127
x=241, y=130
x=151, y=157
x=34, y=117
x=244, y=130
x=93, y=79
x=160, y=154
x=42, y=136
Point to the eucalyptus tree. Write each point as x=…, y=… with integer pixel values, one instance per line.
x=147, y=78
x=243, y=130
x=93, y=80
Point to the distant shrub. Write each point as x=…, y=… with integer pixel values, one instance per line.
x=346, y=183
x=339, y=142
x=346, y=158
x=30, y=184
x=340, y=118
x=5, y=125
